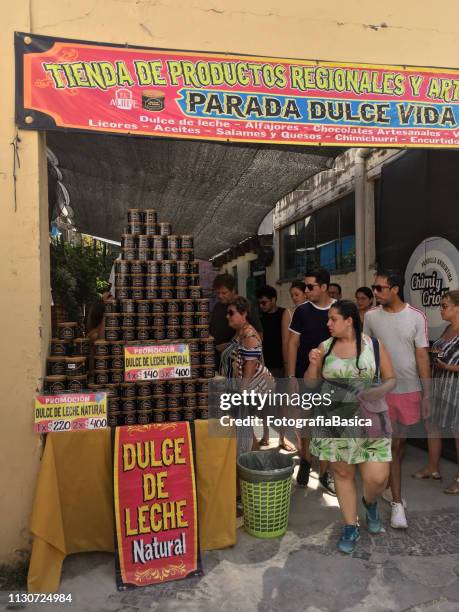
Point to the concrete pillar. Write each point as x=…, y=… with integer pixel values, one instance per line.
x=360, y=205
x=25, y=303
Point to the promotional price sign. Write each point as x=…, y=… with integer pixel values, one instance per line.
x=70, y=412
x=155, y=504
x=156, y=362
x=68, y=84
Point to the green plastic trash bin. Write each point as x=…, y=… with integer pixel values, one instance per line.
x=266, y=483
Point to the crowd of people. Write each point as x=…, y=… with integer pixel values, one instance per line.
x=379, y=354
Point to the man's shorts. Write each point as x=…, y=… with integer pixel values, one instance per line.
x=404, y=408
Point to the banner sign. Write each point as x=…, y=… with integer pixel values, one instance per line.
x=155, y=504
x=432, y=271
x=65, y=84
x=70, y=412
x=156, y=362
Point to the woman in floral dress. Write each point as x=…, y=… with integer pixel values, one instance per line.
x=349, y=355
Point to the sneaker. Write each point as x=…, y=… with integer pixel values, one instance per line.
x=302, y=477
x=373, y=519
x=349, y=538
x=387, y=496
x=397, y=517
x=328, y=483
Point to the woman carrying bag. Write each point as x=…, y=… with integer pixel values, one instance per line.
x=349, y=359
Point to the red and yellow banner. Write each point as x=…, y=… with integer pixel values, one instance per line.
x=155, y=504
x=70, y=412
x=212, y=96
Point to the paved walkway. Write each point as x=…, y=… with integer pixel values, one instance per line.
x=413, y=570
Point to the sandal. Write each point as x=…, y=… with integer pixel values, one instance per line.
x=453, y=488
x=424, y=474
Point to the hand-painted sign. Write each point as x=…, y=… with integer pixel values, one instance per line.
x=433, y=269
x=209, y=96
x=156, y=362
x=155, y=504
x=70, y=412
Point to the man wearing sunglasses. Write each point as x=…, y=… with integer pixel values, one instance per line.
x=403, y=331
x=309, y=328
x=271, y=319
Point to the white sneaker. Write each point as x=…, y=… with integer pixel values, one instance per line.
x=397, y=517
x=387, y=496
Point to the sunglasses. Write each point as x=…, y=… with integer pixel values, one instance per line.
x=380, y=288
x=310, y=286
x=263, y=302
x=231, y=313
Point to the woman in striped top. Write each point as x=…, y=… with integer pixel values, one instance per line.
x=242, y=361
x=445, y=392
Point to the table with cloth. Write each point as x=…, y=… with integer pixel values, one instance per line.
x=73, y=506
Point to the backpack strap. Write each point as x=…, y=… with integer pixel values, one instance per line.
x=376, y=352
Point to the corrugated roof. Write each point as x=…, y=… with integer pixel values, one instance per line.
x=216, y=191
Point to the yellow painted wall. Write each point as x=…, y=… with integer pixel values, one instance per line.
x=391, y=32
x=24, y=303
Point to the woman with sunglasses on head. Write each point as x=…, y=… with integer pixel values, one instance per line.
x=349, y=355
x=298, y=296
x=364, y=299
x=242, y=361
x=297, y=293
x=445, y=391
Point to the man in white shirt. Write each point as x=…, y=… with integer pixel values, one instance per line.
x=403, y=330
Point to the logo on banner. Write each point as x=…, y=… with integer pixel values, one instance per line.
x=432, y=271
x=155, y=504
x=123, y=99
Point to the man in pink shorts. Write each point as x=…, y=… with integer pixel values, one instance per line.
x=403, y=330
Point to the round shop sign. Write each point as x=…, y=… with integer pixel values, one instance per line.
x=433, y=270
